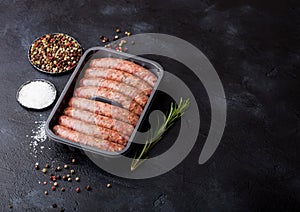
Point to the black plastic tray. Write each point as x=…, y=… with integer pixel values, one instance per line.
x=67, y=93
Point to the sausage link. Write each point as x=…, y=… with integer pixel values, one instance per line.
x=119, y=76
x=80, y=138
x=126, y=66
x=104, y=109
x=92, y=130
x=92, y=118
x=127, y=103
x=127, y=90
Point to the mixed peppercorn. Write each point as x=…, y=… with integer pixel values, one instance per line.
x=55, y=53
x=117, y=46
x=64, y=174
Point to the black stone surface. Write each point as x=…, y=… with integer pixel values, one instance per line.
x=253, y=45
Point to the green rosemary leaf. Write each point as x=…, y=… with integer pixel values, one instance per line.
x=154, y=136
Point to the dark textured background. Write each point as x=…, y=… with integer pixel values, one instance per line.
x=253, y=45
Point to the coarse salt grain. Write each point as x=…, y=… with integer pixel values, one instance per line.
x=37, y=138
x=37, y=94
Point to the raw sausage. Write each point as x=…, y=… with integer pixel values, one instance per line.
x=92, y=130
x=126, y=66
x=119, y=76
x=92, y=118
x=127, y=90
x=89, y=92
x=104, y=109
x=80, y=138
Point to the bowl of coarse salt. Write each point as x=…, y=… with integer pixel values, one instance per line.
x=36, y=94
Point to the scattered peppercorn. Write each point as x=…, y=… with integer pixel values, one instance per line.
x=55, y=184
x=54, y=205
x=73, y=160
x=63, y=189
x=53, y=178
x=64, y=177
x=116, y=37
x=104, y=39
x=77, y=190
x=108, y=185
x=10, y=206
x=36, y=167
x=58, y=169
x=77, y=179
x=70, y=179
x=127, y=33
x=53, y=188
x=47, y=165
x=68, y=175
x=46, y=192
x=44, y=170
x=118, y=30
x=44, y=182
x=53, y=52
x=58, y=177
x=72, y=171
x=88, y=188
x=66, y=166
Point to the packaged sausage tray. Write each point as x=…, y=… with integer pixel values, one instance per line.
x=104, y=102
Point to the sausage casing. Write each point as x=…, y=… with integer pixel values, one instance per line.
x=127, y=102
x=123, y=88
x=119, y=76
x=80, y=138
x=92, y=118
x=126, y=66
x=105, y=110
x=92, y=130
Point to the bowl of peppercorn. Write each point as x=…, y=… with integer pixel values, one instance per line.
x=55, y=53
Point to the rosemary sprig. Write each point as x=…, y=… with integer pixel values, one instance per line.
x=176, y=111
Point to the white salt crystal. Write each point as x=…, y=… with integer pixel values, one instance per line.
x=37, y=94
